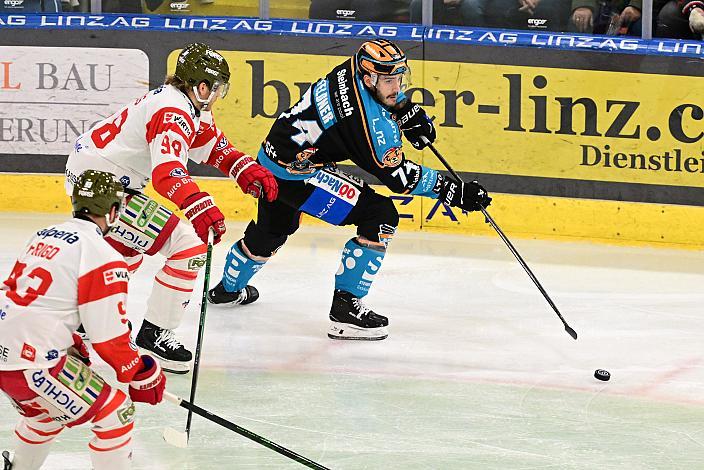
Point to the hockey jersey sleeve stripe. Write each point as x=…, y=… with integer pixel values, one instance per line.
x=109, y=279
x=121, y=355
x=224, y=156
x=171, y=180
x=171, y=119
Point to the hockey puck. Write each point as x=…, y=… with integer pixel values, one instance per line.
x=602, y=374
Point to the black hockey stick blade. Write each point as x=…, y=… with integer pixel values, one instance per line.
x=244, y=432
x=571, y=331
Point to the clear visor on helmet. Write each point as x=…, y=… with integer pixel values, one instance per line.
x=220, y=89
x=402, y=77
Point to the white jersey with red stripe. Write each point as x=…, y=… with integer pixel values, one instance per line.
x=66, y=275
x=152, y=137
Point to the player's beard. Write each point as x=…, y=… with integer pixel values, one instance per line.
x=388, y=100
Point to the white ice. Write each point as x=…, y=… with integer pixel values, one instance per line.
x=477, y=373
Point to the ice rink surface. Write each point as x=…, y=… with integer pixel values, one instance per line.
x=477, y=373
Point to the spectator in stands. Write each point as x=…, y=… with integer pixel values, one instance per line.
x=451, y=12
x=550, y=15
x=609, y=17
x=360, y=10
x=680, y=19
x=31, y=6
x=122, y=6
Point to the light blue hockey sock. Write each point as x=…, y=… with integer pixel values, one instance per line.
x=239, y=269
x=358, y=268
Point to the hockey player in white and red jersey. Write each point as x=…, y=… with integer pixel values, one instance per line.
x=67, y=275
x=153, y=138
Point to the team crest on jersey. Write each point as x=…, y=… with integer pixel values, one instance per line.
x=115, y=275
x=392, y=157
x=125, y=181
x=222, y=143
x=302, y=164
x=51, y=355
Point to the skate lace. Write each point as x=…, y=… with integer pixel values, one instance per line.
x=169, y=339
x=362, y=309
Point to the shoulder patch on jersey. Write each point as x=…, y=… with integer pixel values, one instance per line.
x=393, y=157
x=178, y=173
x=115, y=275
x=180, y=121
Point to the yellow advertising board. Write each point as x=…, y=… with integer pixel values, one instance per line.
x=510, y=120
x=571, y=125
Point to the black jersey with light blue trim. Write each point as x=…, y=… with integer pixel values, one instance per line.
x=338, y=119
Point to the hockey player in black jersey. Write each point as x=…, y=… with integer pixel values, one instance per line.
x=356, y=112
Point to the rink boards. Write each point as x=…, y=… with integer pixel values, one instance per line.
x=519, y=215
x=591, y=138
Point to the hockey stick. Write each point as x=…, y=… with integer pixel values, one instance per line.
x=201, y=328
x=178, y=438
x=508, y=243
x=179, y=441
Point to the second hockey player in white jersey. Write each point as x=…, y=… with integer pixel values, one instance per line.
x=153, y=138
x=67, y=275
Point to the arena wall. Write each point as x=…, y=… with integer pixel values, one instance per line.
x=593, y=138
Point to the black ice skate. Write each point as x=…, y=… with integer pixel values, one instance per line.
x=219, y=296
x=163, y=345
x=7, y=464
x=352, y=320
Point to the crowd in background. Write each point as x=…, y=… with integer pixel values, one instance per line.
x=680, y=19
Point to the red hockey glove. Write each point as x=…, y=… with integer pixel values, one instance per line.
x=201, y=211
x=147, y=385
x=79, y=350
x=254, y=178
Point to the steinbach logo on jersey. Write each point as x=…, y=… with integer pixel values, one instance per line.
x=116, y=275
x=344, y=102
x=180, y=121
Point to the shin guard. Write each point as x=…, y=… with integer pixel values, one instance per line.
x=239, y=269
x=358, y=268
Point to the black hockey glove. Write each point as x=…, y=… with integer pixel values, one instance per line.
x=415, y=124
x=467, y=196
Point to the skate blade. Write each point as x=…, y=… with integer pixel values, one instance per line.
x=173, y=367
x=346, y=331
